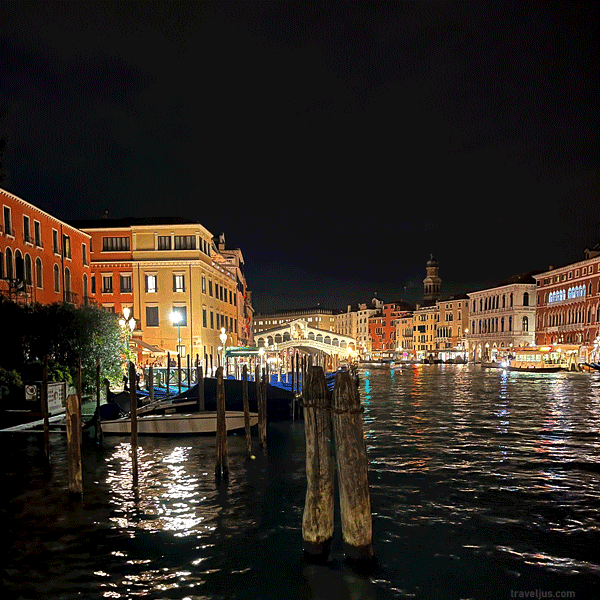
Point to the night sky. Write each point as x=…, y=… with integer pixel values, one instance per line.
x=337, y=144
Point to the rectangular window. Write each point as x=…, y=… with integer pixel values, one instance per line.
x=178, y=282
x=84, y=254
x=55, y=248
x=204, y=322
x=210, y=288
x=115, y=244
x=151, y=316
x=107, y=284
x=66, y=246
x=164, y=242
x=182, y=311
x=151, y=284
x=7, y=221
x=185, y=242
x=125, y=284
x=203, y=284
x=37, y=231
x=26, y=230
x=212, y=320
x=93, y=284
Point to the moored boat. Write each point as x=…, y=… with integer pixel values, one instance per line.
x=192, y=423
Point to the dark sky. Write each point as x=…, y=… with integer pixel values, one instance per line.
x=337, y=144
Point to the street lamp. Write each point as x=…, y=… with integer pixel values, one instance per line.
x=176, y=318
x=127, y=320
x=223, y=338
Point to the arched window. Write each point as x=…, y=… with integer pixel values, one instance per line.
x=39, y=279
x=19, y=266
x=67, y=284
x=526, y=299
x=10, y=273
x=28, y=270
x=85, y=290
x=56, y=279
x=525, y=324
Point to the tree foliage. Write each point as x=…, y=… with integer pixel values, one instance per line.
x=64, y=333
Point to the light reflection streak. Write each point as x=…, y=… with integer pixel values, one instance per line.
x=168, y=498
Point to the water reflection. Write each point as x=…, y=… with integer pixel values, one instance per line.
x=481, y=482
x=170, y=496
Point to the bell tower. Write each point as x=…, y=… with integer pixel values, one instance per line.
x=432, y=283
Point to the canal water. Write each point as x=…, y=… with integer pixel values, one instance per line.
x=484, y=485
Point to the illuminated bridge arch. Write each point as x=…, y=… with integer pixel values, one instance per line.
x=299, y=334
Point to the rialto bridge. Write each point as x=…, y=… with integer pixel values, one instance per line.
x=325, y=346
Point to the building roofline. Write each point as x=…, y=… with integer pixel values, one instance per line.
x=43, y=212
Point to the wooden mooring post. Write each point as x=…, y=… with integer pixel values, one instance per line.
x=73, y=422
x=97, y=426
x=262, y=412
x=200, y=382
x=150, y=383
x=351, y=458
x=317, y=519
x=134, y=428
x=168, y=372
x=261, y=403
x=246, y=411
x=45, y=414
x=222, y=466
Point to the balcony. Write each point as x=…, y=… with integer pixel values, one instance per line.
x=71, y=297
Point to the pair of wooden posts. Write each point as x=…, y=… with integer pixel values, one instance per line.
x=342, y=417
x=222, y=462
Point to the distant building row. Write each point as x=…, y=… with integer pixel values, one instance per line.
x=146, y=269
x=558, y=306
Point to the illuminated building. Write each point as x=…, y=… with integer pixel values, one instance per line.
x=159, y=267
x=42, y=259
x=568, y=302
x=355, y=323
x=319, y=317
x=383, y=341
x=501, y=318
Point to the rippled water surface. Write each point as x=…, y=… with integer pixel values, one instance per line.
x=484, y=484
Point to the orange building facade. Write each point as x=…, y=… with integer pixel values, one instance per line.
x=382, y=328
x=42, y=259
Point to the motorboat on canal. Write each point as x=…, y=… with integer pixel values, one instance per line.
x=542, y=359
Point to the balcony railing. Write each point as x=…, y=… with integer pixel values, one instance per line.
x=71, y=297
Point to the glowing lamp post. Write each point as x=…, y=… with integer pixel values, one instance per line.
x=127, y=320
x=175, y=317
x=223, y=338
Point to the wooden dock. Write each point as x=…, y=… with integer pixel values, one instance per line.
x=38, y=426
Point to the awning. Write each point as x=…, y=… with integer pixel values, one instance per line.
x=148, y=347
